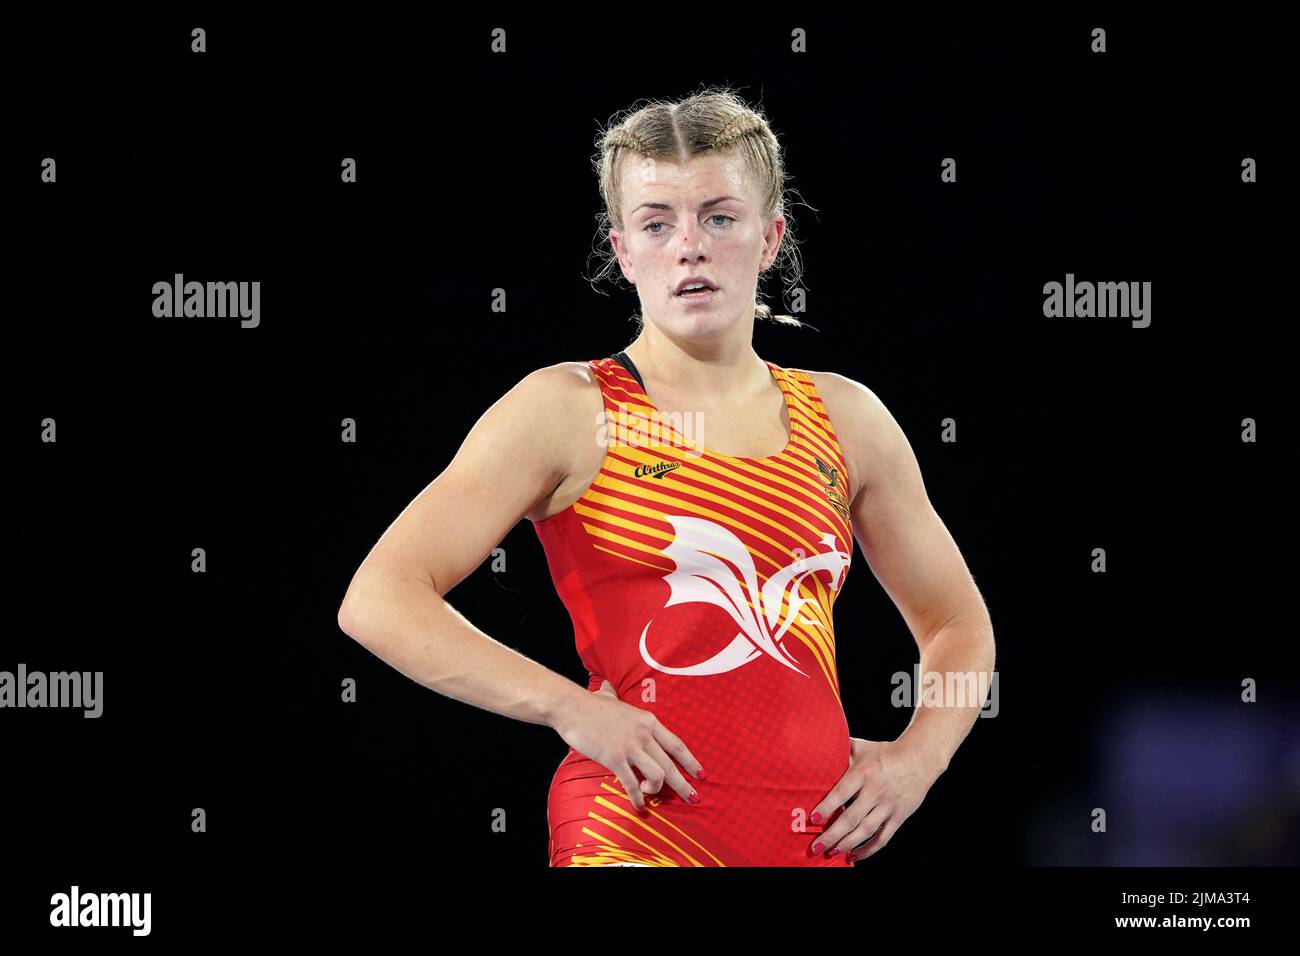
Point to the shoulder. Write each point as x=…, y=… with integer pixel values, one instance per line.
x=850, y=404
x=561, y=375
x=556, y=396
x=561, y=384
x=868, y=434
x=560, y=402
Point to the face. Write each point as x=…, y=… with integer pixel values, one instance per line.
x=701, y=219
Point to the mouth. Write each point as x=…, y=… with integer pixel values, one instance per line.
x=697, y=298
x=695, y=287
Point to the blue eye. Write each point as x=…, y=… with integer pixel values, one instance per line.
x=716, y=215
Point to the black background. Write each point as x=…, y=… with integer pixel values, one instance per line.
x=222, y=690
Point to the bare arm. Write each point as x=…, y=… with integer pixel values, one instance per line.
x=916, y=561
x=395, y=605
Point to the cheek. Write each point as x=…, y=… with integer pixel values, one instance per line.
x=748, y=245
x=745, y=256
x=649, y=251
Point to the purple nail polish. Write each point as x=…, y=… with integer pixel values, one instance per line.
x=817, y=847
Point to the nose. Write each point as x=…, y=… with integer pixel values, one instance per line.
x=691, y=248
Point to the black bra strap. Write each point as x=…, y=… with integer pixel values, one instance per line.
x=622, y=359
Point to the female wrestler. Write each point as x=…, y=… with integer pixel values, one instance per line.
x=697, y=507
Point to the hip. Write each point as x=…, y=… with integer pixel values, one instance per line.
x=592, y=821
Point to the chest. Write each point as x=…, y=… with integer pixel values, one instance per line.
x=759, y=429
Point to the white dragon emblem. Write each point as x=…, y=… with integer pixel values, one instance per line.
x=699, y=547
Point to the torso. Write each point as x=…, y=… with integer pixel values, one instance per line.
x=742, y=430
x=701, y=585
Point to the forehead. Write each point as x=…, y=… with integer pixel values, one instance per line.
x=646, y=179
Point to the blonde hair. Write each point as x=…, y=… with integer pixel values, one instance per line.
x=713, y=121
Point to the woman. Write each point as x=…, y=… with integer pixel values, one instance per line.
x=698, y=552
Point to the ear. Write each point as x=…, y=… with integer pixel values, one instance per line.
x=772, y=241
x=624, y=260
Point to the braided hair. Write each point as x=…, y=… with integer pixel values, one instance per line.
x=713, y=121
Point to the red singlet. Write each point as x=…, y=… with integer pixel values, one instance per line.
x=701, y=586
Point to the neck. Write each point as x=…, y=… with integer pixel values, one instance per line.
x=710, y=370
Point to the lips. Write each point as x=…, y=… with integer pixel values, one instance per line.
x=695, y=281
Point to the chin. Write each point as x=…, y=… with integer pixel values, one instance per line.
x=694, y=323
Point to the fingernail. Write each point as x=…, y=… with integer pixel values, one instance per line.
x=695, y=797
x=817, y=847
x=699, y=774
x=816, y=818
x=834, y=850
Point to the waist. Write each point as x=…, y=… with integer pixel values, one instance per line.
x=753, y=752
x=738, y=822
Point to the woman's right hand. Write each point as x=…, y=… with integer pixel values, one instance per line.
x=620, y=737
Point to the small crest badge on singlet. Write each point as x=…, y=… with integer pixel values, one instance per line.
x=834, y=490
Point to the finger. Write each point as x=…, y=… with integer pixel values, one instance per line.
x=650, y=769
x=839, y=795
x=844, y=822
x=681, y=786
x=673, y=744
x=630, y=784
x=833, y=837
x=866, y=827
x=877, y=840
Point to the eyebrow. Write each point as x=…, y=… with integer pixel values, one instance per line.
x=706, y=205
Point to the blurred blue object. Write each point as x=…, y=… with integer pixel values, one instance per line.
x=1194, y=779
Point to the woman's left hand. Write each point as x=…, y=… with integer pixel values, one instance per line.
x=887, y=780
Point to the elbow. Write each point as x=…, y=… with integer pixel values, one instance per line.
x=366, y=612
x=349, y=617
x=353, y=613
